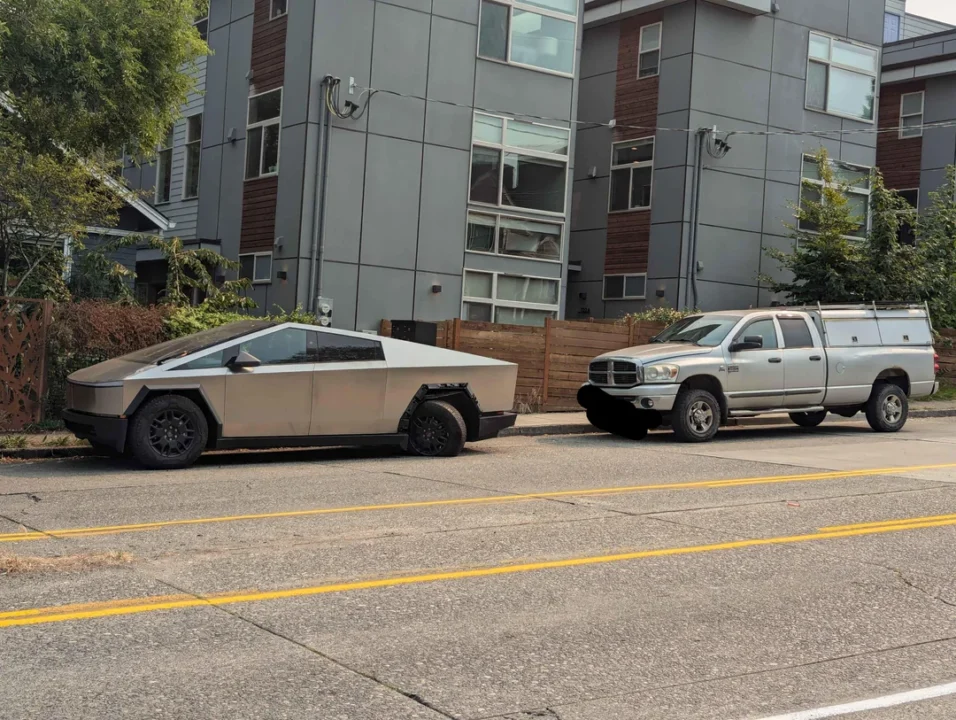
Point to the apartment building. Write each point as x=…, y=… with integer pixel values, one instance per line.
x=777, y=79
x=898, y=24
x=436, y=186
x=918, y=88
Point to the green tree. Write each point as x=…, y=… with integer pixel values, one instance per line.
x=894, y=271
x=97, y=75
x=47, y=201
x=826, y=263
x=936, y=240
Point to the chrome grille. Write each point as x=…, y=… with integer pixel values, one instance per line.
x=614, y=373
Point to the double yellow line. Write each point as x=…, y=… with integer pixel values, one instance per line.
x=494, y=499
x=133, y=606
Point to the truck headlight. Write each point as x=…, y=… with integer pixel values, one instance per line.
x=661, y=373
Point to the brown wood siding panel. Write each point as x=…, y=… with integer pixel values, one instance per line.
x=898, y=160
x=627, y=242
x=259, y=215
x=635, y=105
x=260, y=197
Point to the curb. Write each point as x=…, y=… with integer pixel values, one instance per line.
x=60, y=453
x=585, y=429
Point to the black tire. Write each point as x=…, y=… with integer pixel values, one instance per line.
x=696, y=416
x=808, y=419
x=169, y=432
x=437, y=430
x=887, y=408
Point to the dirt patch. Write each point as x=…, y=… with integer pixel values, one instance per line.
x=22, y=565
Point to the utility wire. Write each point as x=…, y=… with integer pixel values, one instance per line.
x=646, y=128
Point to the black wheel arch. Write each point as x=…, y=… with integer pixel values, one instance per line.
x=894, y=376
x=458, y=395
x=192, y=392
x=712, y=385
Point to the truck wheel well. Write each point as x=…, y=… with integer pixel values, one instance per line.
x=193, y=394
x=711, y=385
x=895, y=376
x=459, y=397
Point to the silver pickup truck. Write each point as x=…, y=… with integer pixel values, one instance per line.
x=708, y=368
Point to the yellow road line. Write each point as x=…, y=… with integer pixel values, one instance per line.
x=152, y=604
x=696, y=485
x=882, y=523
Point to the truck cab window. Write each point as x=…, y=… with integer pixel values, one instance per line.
x=763, y=328
x=796, y=334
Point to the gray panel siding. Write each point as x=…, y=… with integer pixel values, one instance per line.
x=916, y=26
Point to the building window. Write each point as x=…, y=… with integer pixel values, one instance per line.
x=511, y=299
x=202, y=25
x=649, y=51
x=907, y=233
x=856, y=178
x=519, y=164
x=534, y=33
x=632, y=175
x=164, y=170
x=625, y=287
x=891, y=27
x=262, y=140
x=279, y=8
x=911, y=115
x=193, y=154
x=256, y=267
x=505, y=235
x=841, y=77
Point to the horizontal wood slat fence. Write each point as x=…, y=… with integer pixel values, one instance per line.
x=553, y=360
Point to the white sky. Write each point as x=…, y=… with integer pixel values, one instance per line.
x=942, y=10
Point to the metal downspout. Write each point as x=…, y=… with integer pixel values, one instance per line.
x=690, y=274
x=318, y=208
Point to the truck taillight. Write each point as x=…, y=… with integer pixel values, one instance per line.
x=936, y=363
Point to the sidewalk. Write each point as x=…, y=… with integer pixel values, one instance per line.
x=576, y=423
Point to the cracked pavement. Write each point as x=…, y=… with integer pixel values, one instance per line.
x=362, y=584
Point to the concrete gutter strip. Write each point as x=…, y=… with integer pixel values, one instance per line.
x=533, y=426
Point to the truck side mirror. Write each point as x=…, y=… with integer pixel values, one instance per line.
x=750, y=342
x=243, y=361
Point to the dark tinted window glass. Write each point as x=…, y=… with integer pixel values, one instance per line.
x=613, y=286
x=343, y=348
x=213, y=360
x=493, y=33
x=796, y=334
x=906, y=233
x=285, y=347
x=765, y=329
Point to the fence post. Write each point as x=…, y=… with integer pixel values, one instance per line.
x=457, y=339
x=630, y=331
x=547, y=360
x=47, y=311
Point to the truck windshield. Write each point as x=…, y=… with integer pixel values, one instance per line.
x=706, y=330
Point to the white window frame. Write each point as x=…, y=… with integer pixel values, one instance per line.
x=504, y=148
x=272, y=10
x=171, y=137
x=263, y=124
x=495, y=303
x=255, y=263
x=498, y=217
x=855, y=189
x=625, y=296
x=198, y=142
x=632, y=167
x=517, y=4
x=641, y=51
x=875, y=74
x=922, y=110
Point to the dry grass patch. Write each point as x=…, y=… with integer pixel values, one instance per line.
x=22, y=565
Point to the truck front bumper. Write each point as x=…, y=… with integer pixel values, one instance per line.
x=643, y=397
x=100, y=429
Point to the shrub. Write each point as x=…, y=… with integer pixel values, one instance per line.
x=662, y=315
x=188, y=320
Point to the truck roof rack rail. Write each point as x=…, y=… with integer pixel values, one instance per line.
x=868, y=306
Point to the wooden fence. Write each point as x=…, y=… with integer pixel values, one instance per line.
x=553, y=360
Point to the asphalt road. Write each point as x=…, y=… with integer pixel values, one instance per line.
x=771, y=572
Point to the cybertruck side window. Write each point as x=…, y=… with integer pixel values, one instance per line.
x=291, y=346
x=206, y=362
x=335, y=348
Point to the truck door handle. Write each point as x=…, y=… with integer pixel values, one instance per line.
x=815, y=358
x=775, y=360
